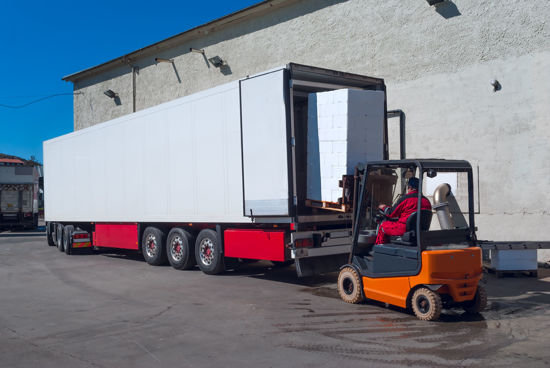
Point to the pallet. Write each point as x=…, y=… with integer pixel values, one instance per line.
x=513, y=273
x=331, y=206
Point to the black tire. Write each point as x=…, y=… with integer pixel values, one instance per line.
x=68, y=239
x=479, y=303
x=208, y=252
x=180, y=249
x=350, y=286
x=49, y=234
x=426, y=304
x=59, y=237
x=152, y=246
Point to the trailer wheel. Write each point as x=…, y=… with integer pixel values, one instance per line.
x=479, y=302
x=59, y=237
x=49, y=235
x=68, y=239
x=208, y=252
x=426, y=304
x=179, y=249
x=152, y=246
x=350, y=286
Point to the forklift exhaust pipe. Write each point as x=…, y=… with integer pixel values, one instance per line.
x=441, y=206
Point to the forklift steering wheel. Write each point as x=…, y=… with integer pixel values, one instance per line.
x=380, y=215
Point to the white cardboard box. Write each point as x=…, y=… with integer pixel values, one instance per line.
x=345, y=128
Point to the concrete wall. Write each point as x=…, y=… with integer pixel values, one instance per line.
x=437, y=63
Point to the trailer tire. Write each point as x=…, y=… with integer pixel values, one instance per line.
x=152, y=246
x=479, y=303
x=208, y=252
x=426, y=304
x=68, y=239
x=180, y=250
x=350, y=286
x=49, y=235
x=59, y=237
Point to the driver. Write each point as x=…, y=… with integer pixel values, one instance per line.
x=400, y=212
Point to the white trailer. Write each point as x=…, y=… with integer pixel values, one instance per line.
x=215, y=176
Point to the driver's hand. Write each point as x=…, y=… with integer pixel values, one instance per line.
x=381, y=207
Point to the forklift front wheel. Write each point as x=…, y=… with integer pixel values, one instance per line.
x=426, y=304
x=349, y=286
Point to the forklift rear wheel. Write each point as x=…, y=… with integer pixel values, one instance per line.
x=478, y=303
x=426, y=304
x=68, y=239
x=349, y=286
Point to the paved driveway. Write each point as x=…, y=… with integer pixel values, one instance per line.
x=114, y=310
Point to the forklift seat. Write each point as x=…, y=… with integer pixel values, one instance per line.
x=409, y=237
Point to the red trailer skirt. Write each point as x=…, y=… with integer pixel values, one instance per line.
x=123, y=236
x=255, y=244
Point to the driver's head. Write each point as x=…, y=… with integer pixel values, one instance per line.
x=412, y=184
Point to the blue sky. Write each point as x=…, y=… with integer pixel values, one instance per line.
x=43, y=41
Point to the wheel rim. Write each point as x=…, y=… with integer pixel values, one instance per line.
x=176, y=248
x=206, y=251
x=151, y=246
x=348, y=286
x=423, y=304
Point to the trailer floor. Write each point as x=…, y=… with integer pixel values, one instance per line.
x=107, y=310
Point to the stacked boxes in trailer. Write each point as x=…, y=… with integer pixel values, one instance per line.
x=221, y=174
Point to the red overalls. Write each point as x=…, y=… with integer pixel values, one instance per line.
x=402, y=210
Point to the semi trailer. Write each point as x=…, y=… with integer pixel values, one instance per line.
x=241, y=171
x=19, y=193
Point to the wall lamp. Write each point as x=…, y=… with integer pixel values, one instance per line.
x=435, y=2
x=161, y=60
x=201, y=51
x=109, y=93
x=217, y=61
x=496, y=85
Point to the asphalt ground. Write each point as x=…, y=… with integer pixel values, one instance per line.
x=114, y=310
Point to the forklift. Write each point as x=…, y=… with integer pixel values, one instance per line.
x=434, y=264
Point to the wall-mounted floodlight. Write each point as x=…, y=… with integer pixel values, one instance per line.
x=198, y=51
x=496, y=85
x=435, y=2
x=109, y=93
x=161, y=60
x=217, y=61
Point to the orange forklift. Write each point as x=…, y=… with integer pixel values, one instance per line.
x=434, y=264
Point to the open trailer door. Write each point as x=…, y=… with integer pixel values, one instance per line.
x=265, y=144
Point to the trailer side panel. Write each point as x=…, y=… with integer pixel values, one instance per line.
x=179, y=161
